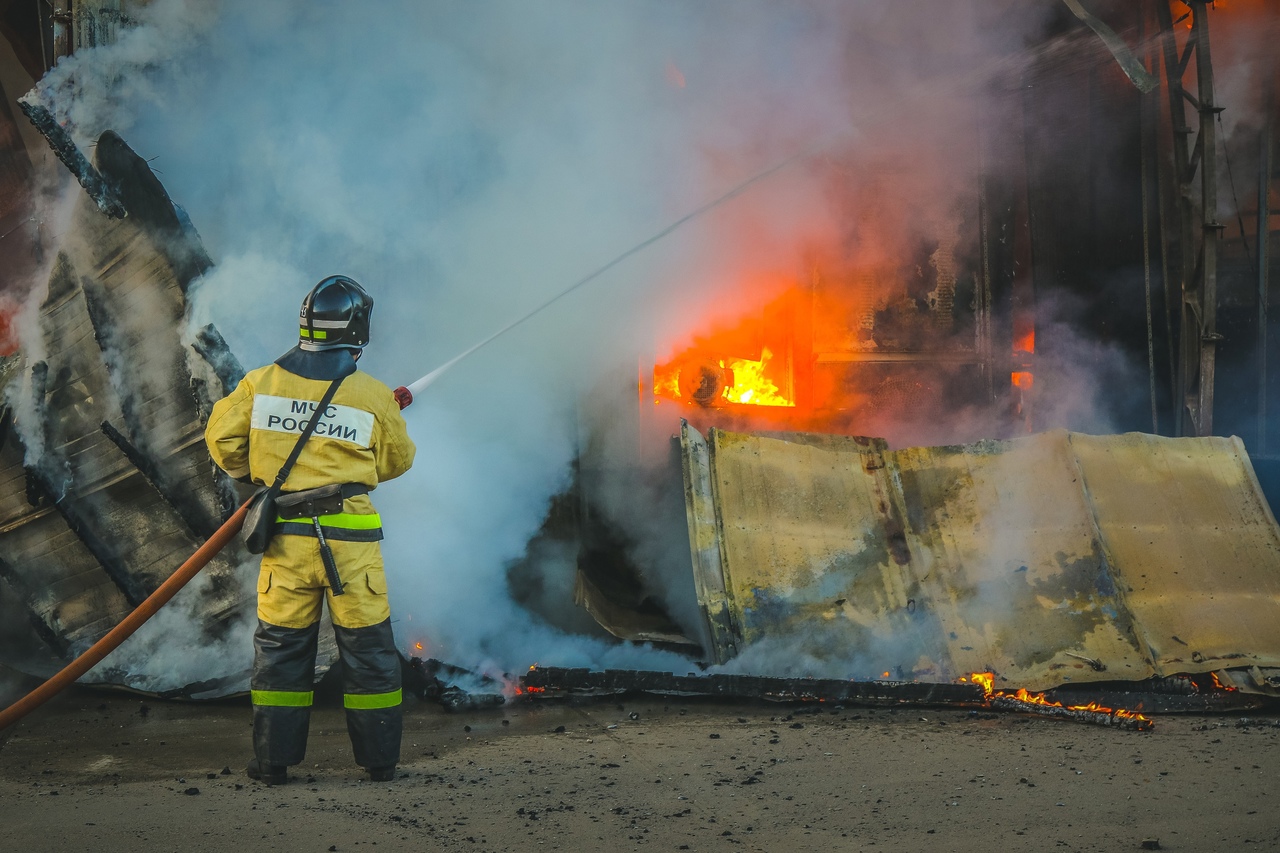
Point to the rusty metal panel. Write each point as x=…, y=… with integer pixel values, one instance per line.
x=1016, y=576
x=932, y=563
x=1193, y=543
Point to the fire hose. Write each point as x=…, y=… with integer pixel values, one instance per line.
x=135, y=620
x=92, y=656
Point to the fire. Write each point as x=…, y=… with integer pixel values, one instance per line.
x=1022, y=379
x=712, y=381
x=987, y=680
x=520, y=691
x=750, y=385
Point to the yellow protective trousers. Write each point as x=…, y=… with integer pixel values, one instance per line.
x=291, y=586
x=292, y=583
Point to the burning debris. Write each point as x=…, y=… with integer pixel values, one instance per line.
x=971, y=692
x=1024, y=702
x=455, y=688
x=555, y=682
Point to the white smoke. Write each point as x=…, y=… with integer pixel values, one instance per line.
x=152, y=661
x=467, y=162
x=464, y=164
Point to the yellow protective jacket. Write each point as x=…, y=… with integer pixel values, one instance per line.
x=361, y=438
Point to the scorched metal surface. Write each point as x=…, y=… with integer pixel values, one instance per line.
x=1049, y=559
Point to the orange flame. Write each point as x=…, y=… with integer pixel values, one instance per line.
x=750, y=385
x=745, y=381
x=987, y=680
x=1022, y=379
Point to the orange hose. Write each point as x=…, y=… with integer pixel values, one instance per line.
x=129, y=624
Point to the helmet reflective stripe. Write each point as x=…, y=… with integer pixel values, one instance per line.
x=317, y=334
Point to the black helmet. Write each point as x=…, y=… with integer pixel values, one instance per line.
x=335, y=314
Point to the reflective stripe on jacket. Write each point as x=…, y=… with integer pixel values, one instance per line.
x=342, y=526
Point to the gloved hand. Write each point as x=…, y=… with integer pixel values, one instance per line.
x=403, y=397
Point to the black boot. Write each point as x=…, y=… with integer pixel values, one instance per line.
x=382, y=774
x=268, y=774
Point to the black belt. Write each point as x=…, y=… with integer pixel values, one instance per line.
x=323, y=500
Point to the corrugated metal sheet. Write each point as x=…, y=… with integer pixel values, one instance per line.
x=1047, y=559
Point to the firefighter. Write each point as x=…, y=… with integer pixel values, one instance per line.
x=360, y=441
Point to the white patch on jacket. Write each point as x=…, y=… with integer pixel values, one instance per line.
x=285, y=414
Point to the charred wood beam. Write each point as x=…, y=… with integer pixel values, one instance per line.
x=134, y=591
x=213, y=348
x=553, y=682
x=103, y=194
x=1152, y=701
x=46, y=632
x=443, y=682
x=44, y=490
x=1114, y=719
x=184, y=501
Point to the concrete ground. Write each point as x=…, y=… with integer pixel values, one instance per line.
x=111, y=772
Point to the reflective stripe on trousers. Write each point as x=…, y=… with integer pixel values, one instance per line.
x=283, y=670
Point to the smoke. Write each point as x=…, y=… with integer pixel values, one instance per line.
x=1245, y=63
x=151, y=660
x=464, y=165
x=467, y=163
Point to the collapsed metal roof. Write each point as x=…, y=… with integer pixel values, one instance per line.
x=1058, y=557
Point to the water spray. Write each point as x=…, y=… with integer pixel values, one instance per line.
x=406, y=393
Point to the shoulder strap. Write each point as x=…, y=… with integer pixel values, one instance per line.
x=306, y=433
